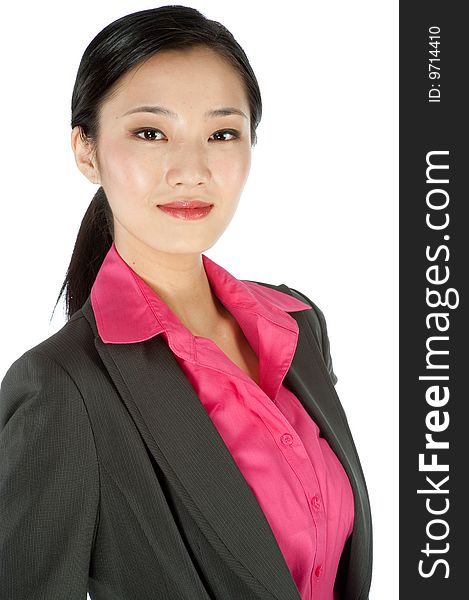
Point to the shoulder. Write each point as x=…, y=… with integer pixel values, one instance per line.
x=317, y=321
x=44, y=423
x=315, y=317
x=72, y=341
x=73, y=338
x=44, y=373
x=42, y=412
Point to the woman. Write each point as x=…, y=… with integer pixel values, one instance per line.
x=180, y=437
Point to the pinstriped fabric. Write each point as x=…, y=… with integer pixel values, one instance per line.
x=49, y=483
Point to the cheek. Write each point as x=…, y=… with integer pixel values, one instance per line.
x=233, y=171
x=124, y=170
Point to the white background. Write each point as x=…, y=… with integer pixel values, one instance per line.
x=323, y=179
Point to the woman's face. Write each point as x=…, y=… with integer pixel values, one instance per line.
x=145, y=159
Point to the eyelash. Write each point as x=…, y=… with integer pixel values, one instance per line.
x=233, y=132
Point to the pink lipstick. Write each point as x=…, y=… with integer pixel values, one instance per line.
x=186, y=209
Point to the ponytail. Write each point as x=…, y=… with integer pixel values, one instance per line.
x=93, y=242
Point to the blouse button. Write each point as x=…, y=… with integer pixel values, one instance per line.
x=316, y=503
x=287, y=439
x=318, y=571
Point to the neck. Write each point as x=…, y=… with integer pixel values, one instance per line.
x=181, y=282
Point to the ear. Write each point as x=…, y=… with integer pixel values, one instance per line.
x=84, y=156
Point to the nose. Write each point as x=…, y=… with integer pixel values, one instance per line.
x=188, y=166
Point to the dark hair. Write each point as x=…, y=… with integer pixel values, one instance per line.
x=118, y=48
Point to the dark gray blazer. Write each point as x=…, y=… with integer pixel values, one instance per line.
x=114, y=479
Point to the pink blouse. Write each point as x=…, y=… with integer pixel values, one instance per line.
x=297, y=479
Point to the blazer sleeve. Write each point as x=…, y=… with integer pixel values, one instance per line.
x=323, y=340
x=49, y=483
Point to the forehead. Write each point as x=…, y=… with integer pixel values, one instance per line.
x=194, y=78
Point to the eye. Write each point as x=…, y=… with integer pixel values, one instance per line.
x=235, y=134
x=232, y=132
x=147, y=130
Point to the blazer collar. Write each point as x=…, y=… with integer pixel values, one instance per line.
x=183, y=440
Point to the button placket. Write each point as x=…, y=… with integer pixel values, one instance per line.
x=319, y=517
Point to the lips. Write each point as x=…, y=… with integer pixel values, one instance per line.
x=186, y=204
x=186, y=210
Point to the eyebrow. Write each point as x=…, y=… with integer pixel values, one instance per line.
x=161, y=110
